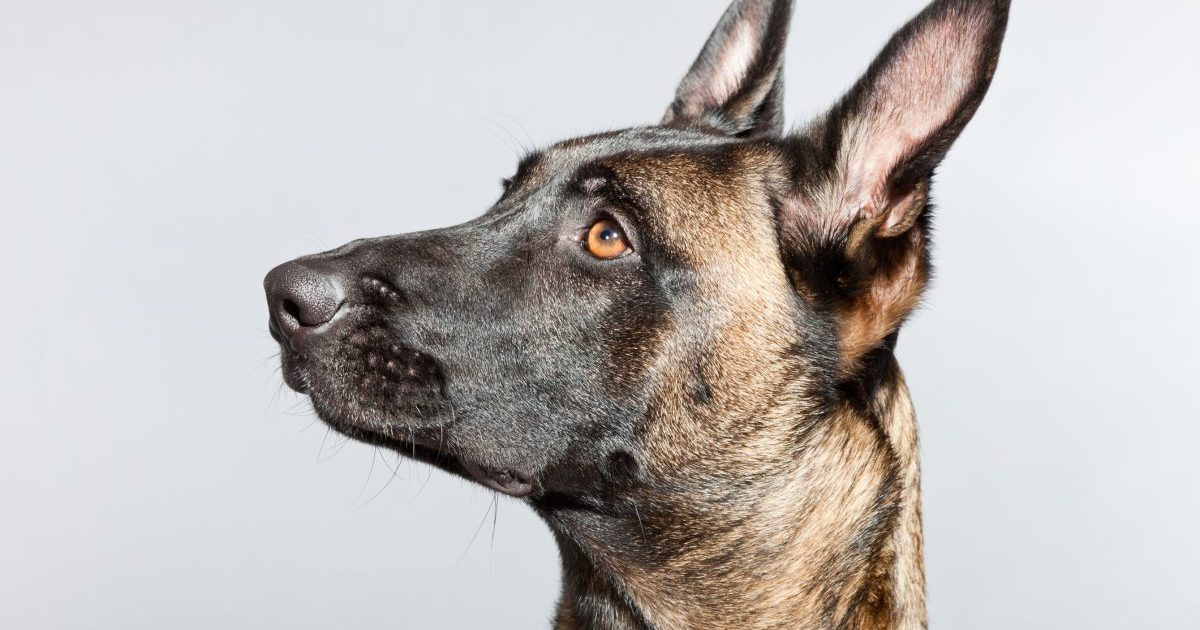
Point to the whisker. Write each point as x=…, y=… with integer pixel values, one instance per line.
x=395, y=474
x=290, y=411
x=512, y=142
x=529, y=146
x=640, y=525
x=338, y=448
x=316, y=237
x=323, y=440
x=370, y=473
x=258, y=366
x=428, y=476
x=476, y=534
x=274, y=401
x=495, y=518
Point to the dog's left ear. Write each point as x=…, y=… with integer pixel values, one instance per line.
x=855, y=226
x=736, y=83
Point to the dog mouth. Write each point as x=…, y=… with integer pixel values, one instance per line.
x=363, y=364
x=368, y=387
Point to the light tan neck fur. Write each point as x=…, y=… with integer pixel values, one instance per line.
x=832, y=542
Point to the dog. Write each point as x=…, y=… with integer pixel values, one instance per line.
x=675, y=342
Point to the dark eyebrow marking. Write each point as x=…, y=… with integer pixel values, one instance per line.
x=593, y=179
x=599, y=179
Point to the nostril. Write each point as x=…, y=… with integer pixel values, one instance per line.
x=298, y=312
x=291, y=308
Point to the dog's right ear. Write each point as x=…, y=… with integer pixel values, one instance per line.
x=736, y=85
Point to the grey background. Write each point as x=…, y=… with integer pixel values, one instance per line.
x=156, y=158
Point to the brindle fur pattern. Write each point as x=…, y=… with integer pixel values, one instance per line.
x=715, y=427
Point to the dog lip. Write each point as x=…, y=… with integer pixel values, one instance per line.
x=514, y=483
x=293, y=381
x=291, y=370
x=299, y=340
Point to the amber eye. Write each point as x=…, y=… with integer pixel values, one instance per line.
x=606, y=240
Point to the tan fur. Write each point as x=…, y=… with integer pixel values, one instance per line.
x=782, y=482
x=894, y=260
x=824, y=531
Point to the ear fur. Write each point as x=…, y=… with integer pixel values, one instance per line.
x=735, y=86
x=856, y=227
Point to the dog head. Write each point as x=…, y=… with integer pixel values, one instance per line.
x=658, y=312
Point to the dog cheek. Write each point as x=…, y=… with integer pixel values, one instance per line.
x=621, y=467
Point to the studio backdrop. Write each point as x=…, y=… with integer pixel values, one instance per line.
x=157, y=158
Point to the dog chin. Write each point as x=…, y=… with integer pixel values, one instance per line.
x=419, y=432
x=382, y=393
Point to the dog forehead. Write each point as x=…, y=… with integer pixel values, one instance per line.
x=658, y=138
x=569, y=159
x=674, y=176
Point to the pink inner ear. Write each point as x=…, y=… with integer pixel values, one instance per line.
x=732, y=61
x=911, y=99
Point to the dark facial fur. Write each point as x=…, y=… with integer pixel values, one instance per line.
x=713, y=424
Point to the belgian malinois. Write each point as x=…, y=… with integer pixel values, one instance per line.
x=675, y=342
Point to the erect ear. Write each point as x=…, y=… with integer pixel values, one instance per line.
x=736, y=84
x=863, y=171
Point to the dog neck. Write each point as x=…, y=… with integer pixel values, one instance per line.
x=836, y=543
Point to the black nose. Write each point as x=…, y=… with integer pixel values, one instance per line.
x=301, y=298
